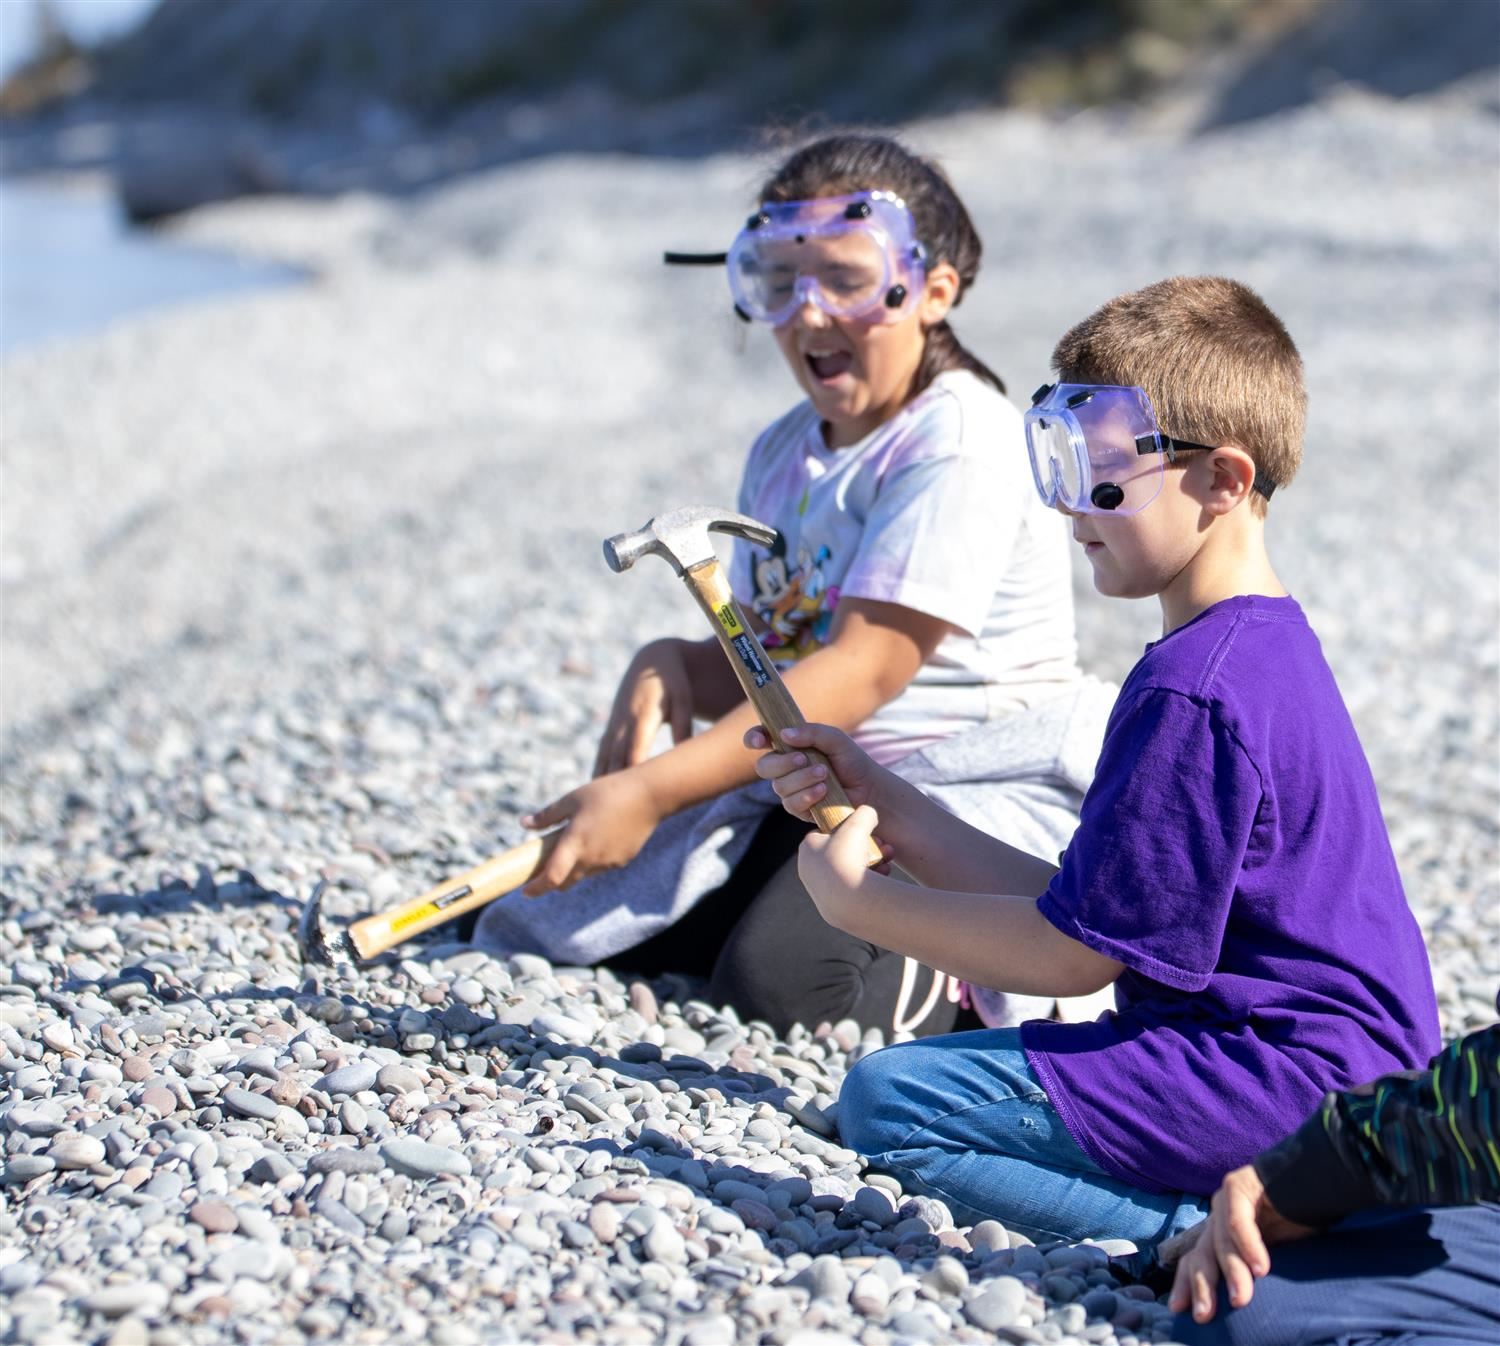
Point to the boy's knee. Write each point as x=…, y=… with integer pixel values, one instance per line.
x=872, y=1117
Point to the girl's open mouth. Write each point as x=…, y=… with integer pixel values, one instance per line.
x=830, y=366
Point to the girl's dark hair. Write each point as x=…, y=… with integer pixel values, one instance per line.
x=836, y=165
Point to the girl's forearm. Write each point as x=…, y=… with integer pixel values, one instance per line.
x=832, y=686
x=873, y=652
x=707, y=764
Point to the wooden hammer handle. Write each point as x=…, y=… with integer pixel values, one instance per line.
x=373, y=935
x=764, y=687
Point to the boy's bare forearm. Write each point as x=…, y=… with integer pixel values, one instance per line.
x=991, y=939
x=940, y=850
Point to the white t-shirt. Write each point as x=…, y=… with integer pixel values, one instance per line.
x=935, y=510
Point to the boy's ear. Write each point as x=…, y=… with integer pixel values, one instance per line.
x=1231, y=478
x=938, y=297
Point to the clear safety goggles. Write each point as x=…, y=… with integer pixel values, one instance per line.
x=853, y=256
x=1097, y=449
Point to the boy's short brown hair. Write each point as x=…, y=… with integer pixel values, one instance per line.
x=1216, y=363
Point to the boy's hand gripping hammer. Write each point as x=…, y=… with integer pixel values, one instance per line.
x=681, y=537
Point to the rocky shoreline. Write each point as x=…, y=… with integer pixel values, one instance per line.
x=306, y=584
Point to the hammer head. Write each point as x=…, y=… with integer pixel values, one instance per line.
x=681, y=536
x=316, y=942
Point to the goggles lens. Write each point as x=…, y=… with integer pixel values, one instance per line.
x=1054, y=463
x=853, y=256
x=1095, y=449
x=841, y=273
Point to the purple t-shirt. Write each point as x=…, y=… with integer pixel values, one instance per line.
x=1232, y=855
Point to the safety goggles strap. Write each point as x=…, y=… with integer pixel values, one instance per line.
x=1160, y=443
x=1171, y=447
x=703, y=259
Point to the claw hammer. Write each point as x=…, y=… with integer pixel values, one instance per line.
x=681, y=537
x=371, y=936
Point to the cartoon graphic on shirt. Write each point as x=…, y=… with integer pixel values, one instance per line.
x=796, y=606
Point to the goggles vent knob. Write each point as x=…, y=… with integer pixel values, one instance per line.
x=1106, y=495
x=1078, y=399
x=895, y=296
x=858, y=210
x=757, y=220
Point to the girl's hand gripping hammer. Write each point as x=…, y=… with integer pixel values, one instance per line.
x=681, y=537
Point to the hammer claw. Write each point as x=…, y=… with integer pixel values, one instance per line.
x=312, y=937
x=681, y=537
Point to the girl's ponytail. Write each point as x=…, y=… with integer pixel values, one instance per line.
x=857, y=162
x=945, y=351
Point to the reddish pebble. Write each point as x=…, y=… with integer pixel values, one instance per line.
x=161, y=1098
x=433, y=995
x=216, y=1306
x=134, y=1177
x=301, y=1209
x=605, y=1222
x=287, y=1092
x=137, y=1068
x=643, y=1001
x=215, y=1217
x=951, y=1238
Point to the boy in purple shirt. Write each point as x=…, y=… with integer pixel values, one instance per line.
x=1231, y=872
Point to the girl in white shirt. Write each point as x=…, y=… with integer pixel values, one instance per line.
x=918, y=595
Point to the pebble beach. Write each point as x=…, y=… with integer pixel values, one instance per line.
x=306, y=584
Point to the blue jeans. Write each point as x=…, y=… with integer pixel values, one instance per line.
x=962, y=1118
x=1427, y=1276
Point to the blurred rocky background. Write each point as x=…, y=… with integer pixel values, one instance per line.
x=210, y=99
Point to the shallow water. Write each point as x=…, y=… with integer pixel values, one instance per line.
x=70, y=264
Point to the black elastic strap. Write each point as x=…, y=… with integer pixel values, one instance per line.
x=695, y=258
x=1146, y=444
